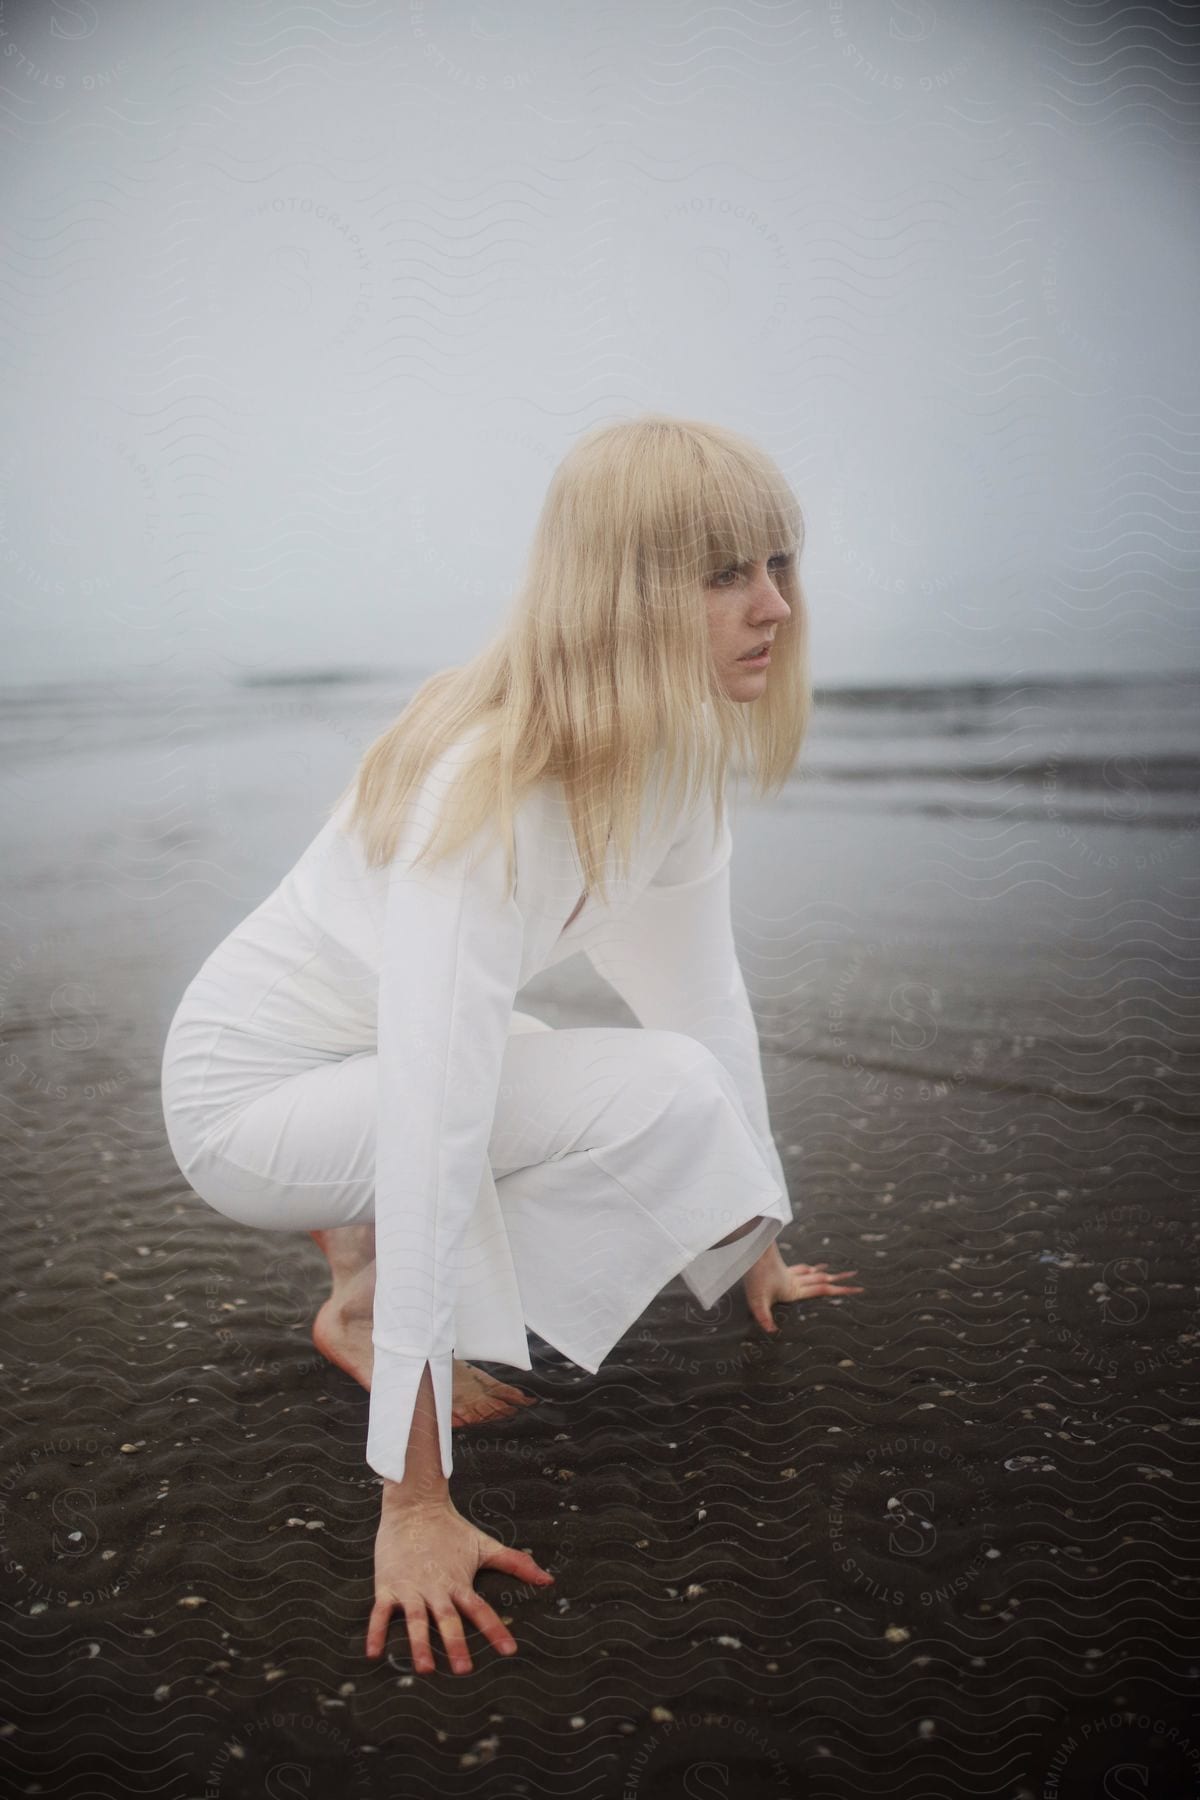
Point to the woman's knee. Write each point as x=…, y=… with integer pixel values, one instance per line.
x=675, y=1053
x=237, y=1194
x=667, y=1080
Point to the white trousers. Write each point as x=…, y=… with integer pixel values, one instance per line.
x=620, y=1157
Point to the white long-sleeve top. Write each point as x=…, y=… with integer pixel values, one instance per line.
x=424, y=966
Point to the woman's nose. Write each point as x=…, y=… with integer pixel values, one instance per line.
x=769, y=602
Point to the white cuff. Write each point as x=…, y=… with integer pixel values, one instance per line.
x=395, y=1380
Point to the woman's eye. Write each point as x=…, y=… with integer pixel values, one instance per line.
x=719, y=579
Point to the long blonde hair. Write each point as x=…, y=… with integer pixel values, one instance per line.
x=602, y=669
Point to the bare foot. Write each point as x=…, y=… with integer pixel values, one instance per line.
x=342, y=1333
x=478, y=1396
x=347, y=1249
x=342, y=1328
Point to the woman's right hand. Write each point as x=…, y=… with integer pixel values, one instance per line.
x=427, y=1556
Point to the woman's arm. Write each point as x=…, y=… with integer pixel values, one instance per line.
x=424, y=1482
x=427, y=1557
x=674, y=963
x=451, y=950
x=672, y=959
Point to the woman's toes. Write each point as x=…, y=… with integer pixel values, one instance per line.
x=514, y=1395
x=477, y=1396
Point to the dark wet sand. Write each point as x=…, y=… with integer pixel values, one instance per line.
x=936, y=1540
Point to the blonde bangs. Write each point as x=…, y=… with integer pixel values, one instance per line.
x=601, y=673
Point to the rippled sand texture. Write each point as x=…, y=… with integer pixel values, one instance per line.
x=920, y=1538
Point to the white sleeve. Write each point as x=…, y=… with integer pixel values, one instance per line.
x=672, y=959
x=452, y=943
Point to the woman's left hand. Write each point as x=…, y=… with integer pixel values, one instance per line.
x=771, y=1280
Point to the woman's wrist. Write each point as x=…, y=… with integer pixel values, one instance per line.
x=769, y=1259
x=414, y=1493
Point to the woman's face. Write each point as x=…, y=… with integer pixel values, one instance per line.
x=745, y=610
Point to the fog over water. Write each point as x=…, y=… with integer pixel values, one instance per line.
x=303, y=308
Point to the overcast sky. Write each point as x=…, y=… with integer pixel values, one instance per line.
x=303, y=306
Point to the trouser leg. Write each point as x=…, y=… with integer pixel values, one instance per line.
x=741, y=1232
x=623, y=1158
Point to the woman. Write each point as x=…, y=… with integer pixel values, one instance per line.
x=349, y=1060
